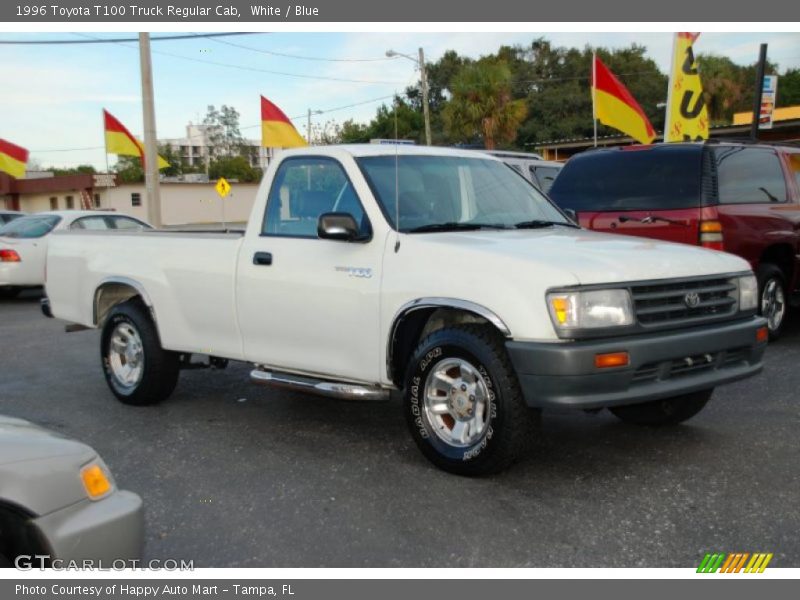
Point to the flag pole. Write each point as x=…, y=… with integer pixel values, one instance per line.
x=105, y=142
x=670, y=83
x=594, y=94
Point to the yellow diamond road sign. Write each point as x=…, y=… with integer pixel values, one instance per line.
x=223, y=187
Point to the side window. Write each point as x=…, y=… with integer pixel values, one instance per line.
x=91, y=223
x=305, y=188
x=126, y=223
x=545, y=176
x=749, y=176
x=794, y=165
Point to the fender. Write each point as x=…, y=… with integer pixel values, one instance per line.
x=440, y=302
x=126, y=281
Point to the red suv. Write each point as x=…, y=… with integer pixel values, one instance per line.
x=738, y=197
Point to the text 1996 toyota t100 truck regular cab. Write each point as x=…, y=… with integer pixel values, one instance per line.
x=441, y=273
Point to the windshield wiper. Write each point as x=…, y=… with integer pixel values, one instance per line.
x=540, y=224
x=453, y=226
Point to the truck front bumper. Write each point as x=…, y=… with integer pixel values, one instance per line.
x=661, y=365
x=107, y=530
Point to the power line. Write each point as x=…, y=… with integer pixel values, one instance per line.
x=97, y=40
x=299, y=57
x=257, y=70
x=328, y=110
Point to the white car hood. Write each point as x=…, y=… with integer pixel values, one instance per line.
x=592, y=257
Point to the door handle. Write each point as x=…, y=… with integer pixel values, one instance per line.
x=262, y=258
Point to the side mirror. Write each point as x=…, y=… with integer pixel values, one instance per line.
x=337, y=226
x=573, y=216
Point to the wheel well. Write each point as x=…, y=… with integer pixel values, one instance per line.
x=110, y=295
x=417, y=323
x=780, y=255
x=17, y=534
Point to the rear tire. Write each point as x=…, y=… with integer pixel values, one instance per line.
x=463, y=403
x=773, y=302
x=137, y=369
x=669, y=411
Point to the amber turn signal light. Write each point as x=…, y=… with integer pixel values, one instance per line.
x=611, y=359
x=95, y=481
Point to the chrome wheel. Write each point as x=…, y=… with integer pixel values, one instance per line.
x=457, y=402
x=773, y=304
x=126, y=355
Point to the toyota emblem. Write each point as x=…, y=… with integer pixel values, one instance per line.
x=692, y=299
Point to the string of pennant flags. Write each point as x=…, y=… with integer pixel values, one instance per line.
x=612, y=104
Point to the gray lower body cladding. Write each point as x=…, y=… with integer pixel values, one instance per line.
x=662, y=365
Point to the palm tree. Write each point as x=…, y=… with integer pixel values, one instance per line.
x=482, y=105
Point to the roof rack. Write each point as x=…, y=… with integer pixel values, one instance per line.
x=751, y=141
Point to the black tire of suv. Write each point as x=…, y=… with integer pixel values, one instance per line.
x=511, y=424
x=161, y=368
x=766, y=273
x=669, y=411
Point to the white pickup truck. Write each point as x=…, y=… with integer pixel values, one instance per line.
x=441, y=273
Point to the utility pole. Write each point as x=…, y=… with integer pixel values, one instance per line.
x=151, y=183
x=308, y=126
x=762, y=65
x=423, y=75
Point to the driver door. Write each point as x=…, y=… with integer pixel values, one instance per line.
x=307, y=304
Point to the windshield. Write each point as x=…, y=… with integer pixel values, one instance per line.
x=445, y=192
x=654, y=179
x=33, y=226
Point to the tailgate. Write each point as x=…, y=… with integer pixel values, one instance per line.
x=680, y=225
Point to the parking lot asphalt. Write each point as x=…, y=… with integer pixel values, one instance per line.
x=235, y=475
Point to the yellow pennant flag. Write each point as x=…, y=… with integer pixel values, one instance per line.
x=120, y=141
x=687, y=115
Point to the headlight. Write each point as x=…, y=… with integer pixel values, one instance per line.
x=590, y=309
x=748, y=292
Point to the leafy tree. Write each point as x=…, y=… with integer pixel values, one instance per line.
x=353, y=133
x=79, y=170
x=233, y=167
x=129, y=169
x=482, y=104
x=728, y=88
x=789, y=88
x=173, y=157
x=223, y=133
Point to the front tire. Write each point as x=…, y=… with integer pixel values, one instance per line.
x=463, y=403
x=772, y=299
x=137, y=369
x=669, y=411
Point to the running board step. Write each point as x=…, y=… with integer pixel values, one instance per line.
x=320, y=387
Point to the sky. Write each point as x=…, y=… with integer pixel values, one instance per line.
x=52, y=96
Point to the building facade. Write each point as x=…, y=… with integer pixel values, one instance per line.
x=194, y=148
x=182, y=203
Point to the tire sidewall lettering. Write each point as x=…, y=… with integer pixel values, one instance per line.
x=416, y=387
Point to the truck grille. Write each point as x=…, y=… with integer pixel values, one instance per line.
x=684, y=301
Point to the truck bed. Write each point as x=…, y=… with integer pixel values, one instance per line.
x=189, y=275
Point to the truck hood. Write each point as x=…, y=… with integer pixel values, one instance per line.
x=591, y=257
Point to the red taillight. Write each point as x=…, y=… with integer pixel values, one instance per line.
x=711, y=235
x=9, y=256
